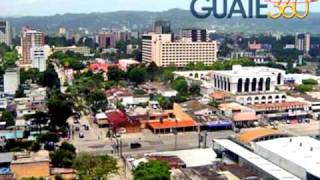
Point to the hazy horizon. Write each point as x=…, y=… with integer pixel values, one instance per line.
x=20, y=8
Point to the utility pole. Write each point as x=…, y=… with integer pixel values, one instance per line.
x=205, y=139
x=175, y=132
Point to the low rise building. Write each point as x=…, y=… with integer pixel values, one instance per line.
x=11, y=80
x=81, y=50
x=285, y=111
x=27, y=165
x=297, y=155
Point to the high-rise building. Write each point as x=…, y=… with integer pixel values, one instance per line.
x=39, y=56
x=11, y=81
x=161, y=49
x=303, y=42
x=195, y=35
x=162, y=27
x=5, y=33
x=106, y=40
x=62, y=31
x=29, y=39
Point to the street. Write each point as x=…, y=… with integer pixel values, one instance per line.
x=95, y=140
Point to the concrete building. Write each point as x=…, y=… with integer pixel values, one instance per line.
x=39, y=58
x=11, y=80
x=106, y=40
x=62, y=31
x=243, y=80
x=246, y=158
x=303, y=42
x=29, y=39
x=81, y=50
x=162, y=27
x=5, y=33
x=161, y=49
x=297, y=155
x=27, y=165
x=195, y=35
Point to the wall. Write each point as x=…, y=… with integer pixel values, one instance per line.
x=36, y=169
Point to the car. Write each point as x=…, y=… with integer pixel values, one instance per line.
x=135, y=145
x=76, y=121
x=81, y=135
x=77, y=129
x=86, y=127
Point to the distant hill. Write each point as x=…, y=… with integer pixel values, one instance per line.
x=179, y=19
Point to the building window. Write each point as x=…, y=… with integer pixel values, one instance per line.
x=279, y=79
x=268, y=84
x=254, y=85
x=240, y=82
x=260, y=84
x=247, y=85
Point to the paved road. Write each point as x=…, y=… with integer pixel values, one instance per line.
x=95, y=140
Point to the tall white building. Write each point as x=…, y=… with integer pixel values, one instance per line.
x=5, y=33
x=39, y=56
x=11, y=80
x=303, y=42
x=161, y=49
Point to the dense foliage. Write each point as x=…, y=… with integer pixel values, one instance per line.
x=152, y=170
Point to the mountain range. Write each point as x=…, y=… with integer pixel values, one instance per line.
x=143, y=20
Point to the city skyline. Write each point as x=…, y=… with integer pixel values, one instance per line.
x=17, y=8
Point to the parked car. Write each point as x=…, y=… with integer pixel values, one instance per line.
x=81, y=135
x=86, y=127
x=77, y=129
x=135, y=145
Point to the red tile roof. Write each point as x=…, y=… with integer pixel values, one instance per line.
x=245, y=117
x=166, y=124
x=117, y=117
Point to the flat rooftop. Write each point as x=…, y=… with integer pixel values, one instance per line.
x=256, y=160
x=302, y=151
x=192, y=157
x=249, y=71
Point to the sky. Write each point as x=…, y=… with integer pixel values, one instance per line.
x=51, y=7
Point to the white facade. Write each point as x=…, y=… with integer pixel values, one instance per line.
x=160, y=48
x=39, y=58
x=246, y=80
x=11, y=80
x=303, y=42
x=5, y=33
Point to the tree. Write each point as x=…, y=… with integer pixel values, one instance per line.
x=49, y=78
x=194, y=89
x=67, y=147
x=62, y=158
x=137, y=75
x=8, y=117
x=115, y=74
x=152, y=170
x=20, y=93
x=164, y=102
x=310, y=82
x=98, y=100
x=214, y=103
x=48, y=137
x=60, y=109
x=95, y=167
x=304, y=88
x=181, y=85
